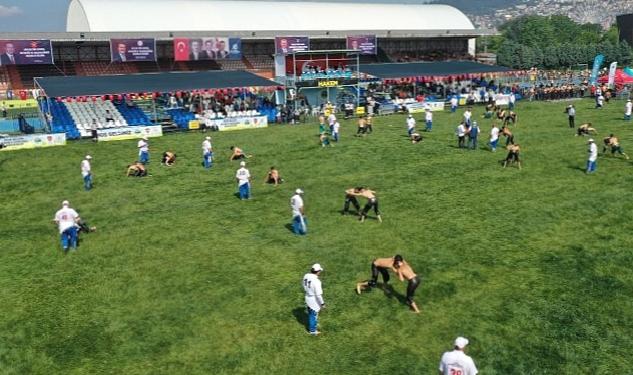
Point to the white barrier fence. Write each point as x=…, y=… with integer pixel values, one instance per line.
x=419, y=107
x=129, y=132
x=20, y=142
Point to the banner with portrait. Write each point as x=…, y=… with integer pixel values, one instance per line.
x=285, y=45
x=132, y=50
x=209, y=48
x=26, y=52
x=366, y=44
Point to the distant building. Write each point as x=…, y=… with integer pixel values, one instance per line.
x=625, y=24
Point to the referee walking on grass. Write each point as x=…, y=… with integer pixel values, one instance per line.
x=457, y=362
x=298, y=215
x=313, y=297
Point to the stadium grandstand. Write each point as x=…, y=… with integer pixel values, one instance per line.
x=184, y=35
x=405, y=32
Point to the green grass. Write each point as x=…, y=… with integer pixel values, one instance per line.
x=533, y=266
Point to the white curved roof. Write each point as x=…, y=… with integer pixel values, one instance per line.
x=212, y=15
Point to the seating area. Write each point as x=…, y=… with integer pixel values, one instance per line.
x=4, y=79
x=200, y=65
x=97, y=68
x=232, y=65
x=28, y=72
x=261, y=61
x=181, y=117
x=133, y=115
x=83, y=113
x=62, y=121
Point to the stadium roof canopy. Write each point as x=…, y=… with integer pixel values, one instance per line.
x=262, y=18
x=149, y=82
x=425, y=69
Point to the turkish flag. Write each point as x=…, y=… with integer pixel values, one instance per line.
x=181, y=49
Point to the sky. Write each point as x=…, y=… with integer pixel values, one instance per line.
x=50, y=15
x=33, y=15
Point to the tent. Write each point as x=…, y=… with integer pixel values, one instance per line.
x=621, y=78
x=149, y=82
x=430, y=69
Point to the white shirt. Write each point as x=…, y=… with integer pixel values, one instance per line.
x=85, y=167
x=66, y=218
x=296, y=204
x=593, y=152
x=206, y=147
x=461, y=130
x=243, y=176
x=512, y=98
x=429, y=116
x=600, y=99
x=457, y=362
x=454, y=101
x=336, y=127
x=410, y=123
x=331, y=119
x=467, y=115
x=494, y=134
x=142, y=146
x=628, y=108
x=313, y=291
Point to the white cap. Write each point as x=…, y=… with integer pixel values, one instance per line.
x=590, y=140
x=88, y=157
x=461, y=342
x=316, y=267
x=629, y=100
x=299, y=191
x=65, y=203
x=208, y=138
x=242, y=164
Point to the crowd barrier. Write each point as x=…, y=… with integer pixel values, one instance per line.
x=20, y=142
x=239, y=123
x=419, y=107
x=129, y=132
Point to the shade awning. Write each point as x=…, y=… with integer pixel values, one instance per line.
x=149, y=82
x=425, y=69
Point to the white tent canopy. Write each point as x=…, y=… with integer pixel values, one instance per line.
x=212, y=15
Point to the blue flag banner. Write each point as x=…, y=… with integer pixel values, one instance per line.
x=597, y=62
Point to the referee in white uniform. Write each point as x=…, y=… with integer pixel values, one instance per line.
x=313, y=297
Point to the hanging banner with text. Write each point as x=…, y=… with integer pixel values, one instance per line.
x=20, y=142
x=366, y=44
x=25, y=52
x=128, y=132
x=132, y=50
x=211, y=48
x=285, y=45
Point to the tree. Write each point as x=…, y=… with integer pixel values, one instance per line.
x=555, y=42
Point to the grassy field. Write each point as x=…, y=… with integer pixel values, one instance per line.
x=533, y=266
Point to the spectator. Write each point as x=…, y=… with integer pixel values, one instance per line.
x=86, y=172
x=298, y=215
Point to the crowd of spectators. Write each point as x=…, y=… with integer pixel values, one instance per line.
x=312, y=72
